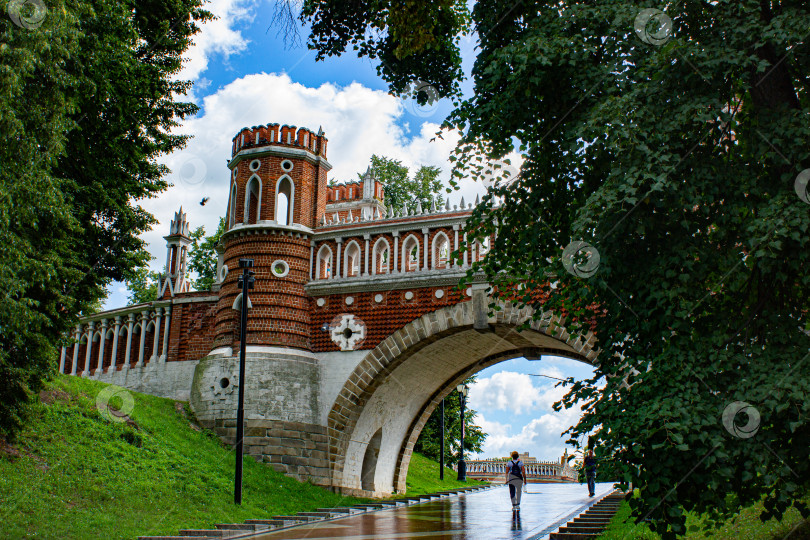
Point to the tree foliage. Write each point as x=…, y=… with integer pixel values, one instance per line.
x=429, y=442
x=671, y=145
x=143, y=285
x=87, y=99
x=202, y=256
x=402, y=191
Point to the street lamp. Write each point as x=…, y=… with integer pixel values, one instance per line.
x=463, y=390
x=244, y=282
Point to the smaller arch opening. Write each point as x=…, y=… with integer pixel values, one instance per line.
x=284, y=201
x=352, y=260
x=254, y=193
x=369, y=469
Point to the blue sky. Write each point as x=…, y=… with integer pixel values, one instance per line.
x=244, y=74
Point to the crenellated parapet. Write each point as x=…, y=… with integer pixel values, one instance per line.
x=280, y=135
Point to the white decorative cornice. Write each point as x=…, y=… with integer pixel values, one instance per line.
x=280, y=151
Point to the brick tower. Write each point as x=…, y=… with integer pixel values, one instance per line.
x=277, y=193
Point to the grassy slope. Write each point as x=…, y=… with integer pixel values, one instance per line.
x=746, y=526
x=423, y=477
x=74, y=474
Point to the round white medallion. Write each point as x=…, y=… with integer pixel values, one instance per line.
x=349, y=300
x=409, y=295
x=321, y=302
x=287, y=165
x=280, y=268
x=439, y=293
x=378, y=298
x=469, y=291
x=223, y=272
x=254, y=165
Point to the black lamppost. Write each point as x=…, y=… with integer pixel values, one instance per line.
x=245, y=282
x=441, y=444
x=463, y=389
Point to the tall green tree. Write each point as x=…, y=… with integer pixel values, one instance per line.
x=429, y=441
x=401, y=190
x=87, y=100
x=202, y=257
x=663, y=194
x=143, y=285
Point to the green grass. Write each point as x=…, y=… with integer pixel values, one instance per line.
x=423, y=477
x=745, y=526
x=74, y=474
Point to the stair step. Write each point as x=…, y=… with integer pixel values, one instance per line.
x=342, y=510
x=240, y=527
x=295, y=519
x=581, y=530
x=571, y=536
x=322, y=515
x=216, y=533
x=269, y=522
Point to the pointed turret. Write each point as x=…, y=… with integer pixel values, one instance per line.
x=173, y=280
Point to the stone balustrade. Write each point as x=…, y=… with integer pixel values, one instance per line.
x=119, y=339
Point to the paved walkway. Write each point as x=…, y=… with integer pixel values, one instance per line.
x=477, y=516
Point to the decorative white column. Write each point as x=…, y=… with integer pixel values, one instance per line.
x=130, y=325
x=156, y=341
x=144, y=322
x=367, y=237
x=90, y=332
x=426, y=266
x=311, y=259
x=167, y=314
x=455, y=244
x=62, y=356
x=395, y=255
x=336, y=273
x=102, y=343
x=465, y=250
x=114, y=355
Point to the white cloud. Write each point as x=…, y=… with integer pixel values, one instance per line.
x=516, y=392
x=219, y=36
x=540, y=437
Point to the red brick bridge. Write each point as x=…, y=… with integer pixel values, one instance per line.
x=356, y=329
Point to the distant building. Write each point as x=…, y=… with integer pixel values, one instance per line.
x=537, y=472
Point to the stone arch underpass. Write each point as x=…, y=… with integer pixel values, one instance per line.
x=383, y=406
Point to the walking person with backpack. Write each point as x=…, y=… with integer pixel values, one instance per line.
x=515, y=477
x=590, y=472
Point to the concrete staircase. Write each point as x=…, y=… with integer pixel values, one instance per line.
x=232, y=531
x=592, y=522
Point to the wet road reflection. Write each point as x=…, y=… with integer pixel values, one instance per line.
x=477, y=516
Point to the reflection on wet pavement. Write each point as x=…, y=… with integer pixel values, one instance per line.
x=477, y=516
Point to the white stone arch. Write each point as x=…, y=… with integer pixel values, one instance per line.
x=411, y=246
x=232, y=206
x=352, y=259
x=440, y=251
x=286, y=188
x=381, y=246
x=256, y=182
x=324, y=263
x=110, y=333
x=402, y=380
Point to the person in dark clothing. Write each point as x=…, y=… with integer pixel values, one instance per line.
x=590, y=472
x=515, y=477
